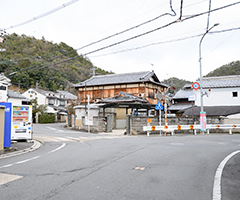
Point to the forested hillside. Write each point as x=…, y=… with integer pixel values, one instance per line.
x=177, y=83
x=232, y=68
x=28, y=61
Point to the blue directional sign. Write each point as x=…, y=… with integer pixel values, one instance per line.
x=159, y=106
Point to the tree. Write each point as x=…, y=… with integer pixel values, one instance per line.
x=42, y=108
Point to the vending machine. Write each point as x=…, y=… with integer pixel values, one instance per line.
x=21, y=122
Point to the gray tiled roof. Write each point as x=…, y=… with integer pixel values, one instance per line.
x=182, y=94
x=180, y=106
x=135, y=77
x=123, y=97
x=14, y=94
x=221, y=81
x=213, y=110
x=67, y=94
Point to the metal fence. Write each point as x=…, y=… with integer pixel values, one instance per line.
x=172, y=128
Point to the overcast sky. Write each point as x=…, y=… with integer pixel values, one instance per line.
x=87, y=21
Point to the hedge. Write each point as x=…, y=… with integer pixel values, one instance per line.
x=46, y=118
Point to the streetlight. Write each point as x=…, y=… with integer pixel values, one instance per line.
x=202, y=113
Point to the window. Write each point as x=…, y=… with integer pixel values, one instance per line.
x=51, y=102
x=3, y=87
x=62, y=103
x=235, y=94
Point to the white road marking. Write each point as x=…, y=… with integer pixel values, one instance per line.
x=5, y=166
x=54, y=129
x=5, y=178
x=63, y=145
x=60, y=138
x=23, y=161
x=217, y=180
x=27, y=160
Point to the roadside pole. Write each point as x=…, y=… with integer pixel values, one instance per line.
x=159, y=107
x=165, y=106
x=88, y=96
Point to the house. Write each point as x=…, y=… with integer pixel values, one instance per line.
x=56, y=102
x=222, y=91
x=142, y=84
x=111, y=110
x=181, y=100
x=16, y=98
x=4, y=83
x=221, y=98
x=69, y=96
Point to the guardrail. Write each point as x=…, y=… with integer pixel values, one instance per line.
x=173, y=128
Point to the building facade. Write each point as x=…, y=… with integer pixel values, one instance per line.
x=142, y=84
x=220, y=91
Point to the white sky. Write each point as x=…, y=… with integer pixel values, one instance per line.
x=87, y=21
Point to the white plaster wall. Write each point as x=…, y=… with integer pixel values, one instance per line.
x=219, y=97
x=15, y=102
x=32, y=94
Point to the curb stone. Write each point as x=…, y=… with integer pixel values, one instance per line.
x=36, y=145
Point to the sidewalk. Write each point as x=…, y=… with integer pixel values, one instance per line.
x=21, y=147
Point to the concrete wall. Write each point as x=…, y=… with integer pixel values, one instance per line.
x=98, y=125
x=137, y=123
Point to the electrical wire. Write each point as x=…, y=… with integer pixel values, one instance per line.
x=43, y=15
x=137, y=26
x=190, y=17
x=148, y=32
x=168, y=41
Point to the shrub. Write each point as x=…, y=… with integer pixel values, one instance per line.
x=46, y=118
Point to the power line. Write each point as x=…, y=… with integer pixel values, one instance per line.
x=43, y=15
x=137, y=26
x=165, y=42
x=151, y=31
x=193, y=16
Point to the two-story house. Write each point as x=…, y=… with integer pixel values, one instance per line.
x=56, y=102
x=142, y=84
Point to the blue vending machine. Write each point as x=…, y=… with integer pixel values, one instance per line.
x=8, y=123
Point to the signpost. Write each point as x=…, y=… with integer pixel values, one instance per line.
x=192, y=97
x=159, y=107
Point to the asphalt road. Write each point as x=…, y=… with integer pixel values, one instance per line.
x=76, y=165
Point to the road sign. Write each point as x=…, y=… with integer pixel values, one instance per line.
x=159, y=106
x=195, y=85
x=192, y=97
